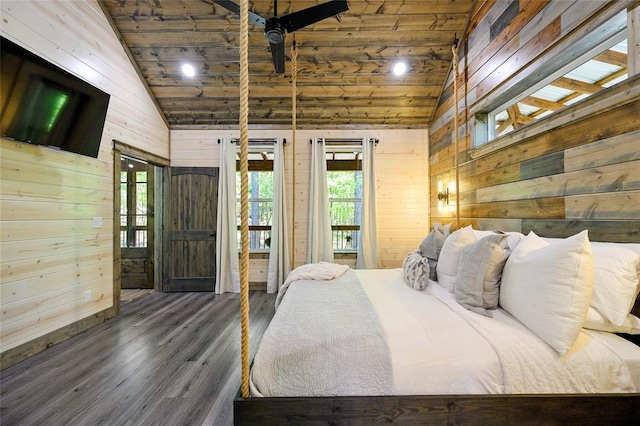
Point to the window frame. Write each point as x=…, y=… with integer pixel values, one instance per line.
x=129, y=231
x=569, y=67
x=607, y=23
x=262, y=165
x=342, y=165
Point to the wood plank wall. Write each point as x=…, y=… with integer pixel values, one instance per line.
x=579, y=170
x=51, y=254
x=402, y=188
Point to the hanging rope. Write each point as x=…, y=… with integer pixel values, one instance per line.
x=244, y=193
x=294, y=124
x=454, y=50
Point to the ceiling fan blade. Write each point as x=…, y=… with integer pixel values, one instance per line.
x=296, y=20
x=277, y=52
x=254, y=18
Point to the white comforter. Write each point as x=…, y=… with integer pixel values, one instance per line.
x=435, y=347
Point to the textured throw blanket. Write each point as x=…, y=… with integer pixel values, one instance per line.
x=338, y=349
x=311, y=271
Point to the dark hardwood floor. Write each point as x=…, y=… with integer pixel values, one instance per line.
x=168, y=359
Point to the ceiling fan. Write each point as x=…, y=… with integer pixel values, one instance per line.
x=276, y=27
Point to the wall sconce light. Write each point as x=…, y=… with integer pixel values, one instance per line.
x=443, y=196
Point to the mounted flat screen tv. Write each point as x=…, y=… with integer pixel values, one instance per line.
x=43, y=104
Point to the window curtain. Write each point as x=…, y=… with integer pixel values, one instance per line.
x=320, y=247
x=368, y=239
x=279, y=266
x=227, y=265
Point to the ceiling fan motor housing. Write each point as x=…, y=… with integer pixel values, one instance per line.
x=274, y=31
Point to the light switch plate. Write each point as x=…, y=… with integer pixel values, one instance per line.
x=97, y=222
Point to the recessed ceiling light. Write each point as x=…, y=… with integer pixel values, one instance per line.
x=188, y=70
x=399, y=68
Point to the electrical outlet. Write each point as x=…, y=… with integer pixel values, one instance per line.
x=97, y=222
x=87, y=295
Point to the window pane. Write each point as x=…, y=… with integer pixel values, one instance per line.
x=123, y=199
x=345, y=212
x=141, y=198
x=596, y=73
x=345, y=197
x=141, y=220
x=345, y=184
x=260, y=208
x=260, y=212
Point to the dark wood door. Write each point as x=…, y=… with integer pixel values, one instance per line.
x=193, y=203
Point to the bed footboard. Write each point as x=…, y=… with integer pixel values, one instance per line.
x=609, y=409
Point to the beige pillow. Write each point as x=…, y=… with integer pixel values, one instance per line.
x=478, y=281
x=447, y=267
x=548, y=287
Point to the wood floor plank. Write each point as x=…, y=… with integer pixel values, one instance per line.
x=169, y=358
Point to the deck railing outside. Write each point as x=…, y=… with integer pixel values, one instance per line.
x=345, y=238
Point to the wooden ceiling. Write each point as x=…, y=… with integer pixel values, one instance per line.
x=345, y=63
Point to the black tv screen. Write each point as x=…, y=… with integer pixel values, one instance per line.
x=45, y=105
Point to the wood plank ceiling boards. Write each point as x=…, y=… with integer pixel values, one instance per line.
x=345, y=62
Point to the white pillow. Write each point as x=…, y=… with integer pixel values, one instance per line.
x=548, y=287
x=596, y=321
x=616, y=279
x=447, y=267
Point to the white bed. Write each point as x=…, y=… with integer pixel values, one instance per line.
x=433, y=345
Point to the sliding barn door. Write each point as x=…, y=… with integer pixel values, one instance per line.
x=191, y=254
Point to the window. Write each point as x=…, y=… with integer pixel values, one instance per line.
x=133, y=203
x=344, y=181
x=595, y=73
x=594, y=63
x=260, y=179
x=345, y=204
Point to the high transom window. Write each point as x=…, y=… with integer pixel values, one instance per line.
x=601, y=68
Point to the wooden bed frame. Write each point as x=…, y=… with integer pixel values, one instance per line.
x=560, y=409
x=601, y=409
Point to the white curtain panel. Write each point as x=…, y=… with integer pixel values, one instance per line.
x=368, y=240
x=279, y=266
x=227, y=265
x=320, y=241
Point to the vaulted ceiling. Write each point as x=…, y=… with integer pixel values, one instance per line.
x=345, y=63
